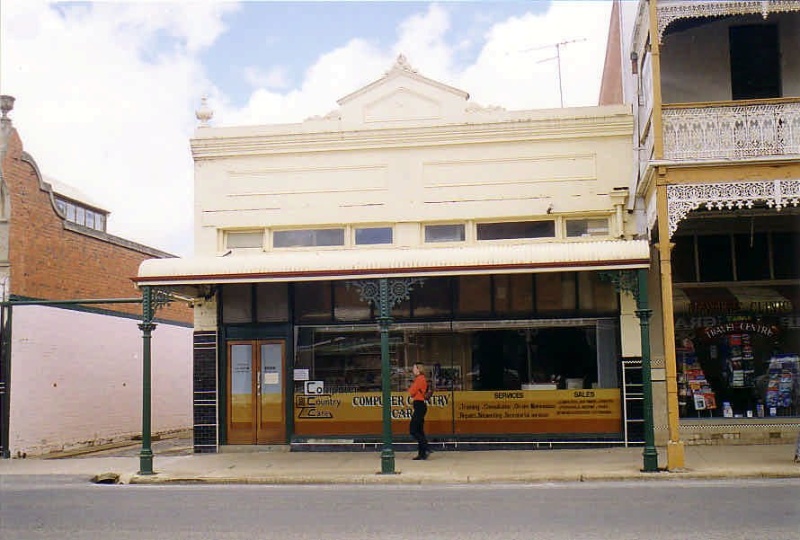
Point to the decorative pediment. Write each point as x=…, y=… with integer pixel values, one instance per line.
x=403, y=96
x=402, y=104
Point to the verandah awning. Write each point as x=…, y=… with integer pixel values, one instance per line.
x=396, y=262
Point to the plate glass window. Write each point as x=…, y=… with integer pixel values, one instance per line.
x=577, y=228
x=367, y=236
x=445, y=233
x=308, y=238
x=516, y=229
x=244, y=239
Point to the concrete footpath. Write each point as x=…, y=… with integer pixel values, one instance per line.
x=175, y=464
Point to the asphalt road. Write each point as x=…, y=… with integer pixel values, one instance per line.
x=57, y=507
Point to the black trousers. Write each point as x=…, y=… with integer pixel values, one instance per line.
x=417, y=427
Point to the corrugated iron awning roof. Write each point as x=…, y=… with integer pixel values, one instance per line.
x=396, y=262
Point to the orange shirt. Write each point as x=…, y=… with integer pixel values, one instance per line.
x=418, y=387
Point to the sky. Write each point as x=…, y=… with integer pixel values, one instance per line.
x=106, y=92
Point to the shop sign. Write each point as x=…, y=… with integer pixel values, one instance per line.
x=501, y=406
x=766, y=330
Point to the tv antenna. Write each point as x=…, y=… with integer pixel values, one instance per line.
x=557, y=58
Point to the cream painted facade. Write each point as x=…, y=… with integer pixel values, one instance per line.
x=409, y=152
x=405, y=154
x=717, y=134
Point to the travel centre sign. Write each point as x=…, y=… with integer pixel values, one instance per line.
x=464, y=412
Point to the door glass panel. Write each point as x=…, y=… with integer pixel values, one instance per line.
x=271, y=427
x=271, y=359
x=241, y=383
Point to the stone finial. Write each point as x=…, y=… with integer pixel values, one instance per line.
x=204, y=113
x=6, y=106
x=402, y=64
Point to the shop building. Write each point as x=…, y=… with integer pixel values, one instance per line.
x=717, y=93
x=496, y=231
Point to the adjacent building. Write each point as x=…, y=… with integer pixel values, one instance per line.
x=498, y=232
x=715, y=88
x=71, y=376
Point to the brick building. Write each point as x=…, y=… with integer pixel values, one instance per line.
x=81, y=363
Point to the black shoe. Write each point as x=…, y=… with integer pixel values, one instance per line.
x=420, y=456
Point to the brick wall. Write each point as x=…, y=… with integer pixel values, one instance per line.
x=56, y=262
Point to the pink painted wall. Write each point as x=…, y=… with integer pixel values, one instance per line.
x=76, y=379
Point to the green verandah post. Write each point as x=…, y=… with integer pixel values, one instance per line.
x=147, y=327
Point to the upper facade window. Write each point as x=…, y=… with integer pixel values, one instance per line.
x=445, y=233
x=366, y=236
x=308, y=238
x=581, y=228
x=516, y=229
x=81, y=215
x=244, y=239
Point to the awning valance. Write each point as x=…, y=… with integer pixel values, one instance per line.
x=396, y=262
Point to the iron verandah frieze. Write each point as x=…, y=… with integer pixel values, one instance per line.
x=683, y=198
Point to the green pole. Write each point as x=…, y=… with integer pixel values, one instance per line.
x=6, y=375
x=649, y=454
x=147, y=326
x=384, y=320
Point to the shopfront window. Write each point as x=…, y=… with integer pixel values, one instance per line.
x=738, y=352
x=489, y=377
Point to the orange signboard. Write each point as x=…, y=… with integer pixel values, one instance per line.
x=464, y=412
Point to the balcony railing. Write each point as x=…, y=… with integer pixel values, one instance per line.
x=732, y=129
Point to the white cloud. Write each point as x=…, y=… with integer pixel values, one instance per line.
x=516, y=67
x=106, y=93
x=101, y=108
x=276, y=77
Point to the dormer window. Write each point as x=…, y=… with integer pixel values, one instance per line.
x=82, y=215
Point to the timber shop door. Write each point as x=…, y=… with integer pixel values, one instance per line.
x=256, y=398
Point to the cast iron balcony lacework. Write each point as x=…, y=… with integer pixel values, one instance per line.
x=669, y=11
x=385, y=293
x=731, y=131
x=683, y=198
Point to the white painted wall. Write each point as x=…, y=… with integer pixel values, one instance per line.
x=405, y=152
x=76, y=379
x=695, y=64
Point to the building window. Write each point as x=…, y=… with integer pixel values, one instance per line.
x=367, y=236
x=237, y=303
x=81, y=215
x=445, y=233
x=755, y=61
x=579, y=228
x=313, y=301
x=272, y=302
x=244, y=239
x=516, y=229
x=308, y=238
